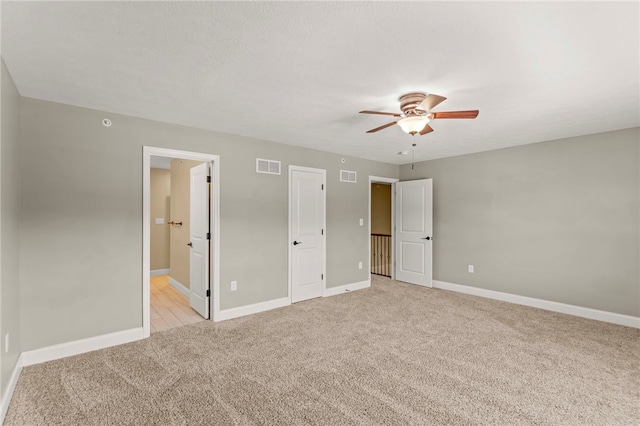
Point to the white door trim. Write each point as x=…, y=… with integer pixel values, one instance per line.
x=392, y=181
x=214, y=256
x=323, y=173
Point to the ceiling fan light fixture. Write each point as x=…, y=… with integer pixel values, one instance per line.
x=413, y=124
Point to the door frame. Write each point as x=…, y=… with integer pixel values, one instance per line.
x=214, y=226
x=323, y=173
x=391, y=181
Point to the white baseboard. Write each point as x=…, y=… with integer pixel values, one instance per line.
x=253, y=309
x=346, y=288
x=285, y=301
x=156, y=272
x=178, y=286
x=76, y=347
x=579, y=311
x=13, y=381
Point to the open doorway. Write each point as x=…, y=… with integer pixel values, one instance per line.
x=171, y=228
x=381, y=226
x=180, y=238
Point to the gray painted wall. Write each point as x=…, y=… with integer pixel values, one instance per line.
x=81, y=218
x=9, y=237
x=556, y=220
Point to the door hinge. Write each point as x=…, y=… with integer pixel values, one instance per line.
x=322, y=276
x=322, y=232
x=208, y=235
x=208, y=293
x=208, y=179
x=322, y=186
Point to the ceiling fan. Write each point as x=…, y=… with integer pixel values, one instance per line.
x=416, y=113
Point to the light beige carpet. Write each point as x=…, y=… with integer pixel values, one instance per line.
x=393, y=354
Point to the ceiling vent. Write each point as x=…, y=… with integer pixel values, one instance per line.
x=270, y=167
x=347, y=176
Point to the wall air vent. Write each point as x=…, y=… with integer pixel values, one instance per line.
x=270, y=167
x=347, y=176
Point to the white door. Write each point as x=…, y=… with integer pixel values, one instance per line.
x=199, y=239
x=414, y=231
x=306, y=230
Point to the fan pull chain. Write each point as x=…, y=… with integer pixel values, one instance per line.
x=413, y=150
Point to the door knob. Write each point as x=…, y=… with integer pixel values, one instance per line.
x=190, y=244
x=426, y=238
x=295, y=243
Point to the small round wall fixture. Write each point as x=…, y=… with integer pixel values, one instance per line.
x=342, y=160
x=106, y=122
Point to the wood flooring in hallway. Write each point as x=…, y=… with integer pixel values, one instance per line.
x=169, y=307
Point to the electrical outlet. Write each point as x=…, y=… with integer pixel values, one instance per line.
x=6, y=343
x=359, y=265
x=471, y=269
x=234, y=285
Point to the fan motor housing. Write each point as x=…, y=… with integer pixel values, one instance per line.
x=410, y=102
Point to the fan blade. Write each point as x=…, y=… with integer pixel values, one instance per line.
x=426, y=129
x=382, y=127
x=395, y=114
x=454, y=114
x=430, y=102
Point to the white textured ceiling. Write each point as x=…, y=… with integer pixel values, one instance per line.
x=299, y=72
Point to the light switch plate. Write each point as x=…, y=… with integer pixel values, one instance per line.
x=361, y=221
